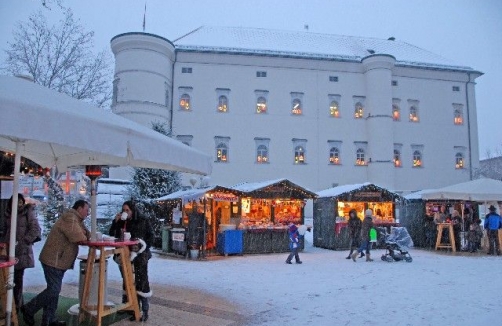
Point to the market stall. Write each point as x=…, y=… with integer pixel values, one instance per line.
x=196, y=216
x=331, y=211
x=267, y=208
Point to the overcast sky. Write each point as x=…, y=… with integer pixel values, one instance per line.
x=465, y=31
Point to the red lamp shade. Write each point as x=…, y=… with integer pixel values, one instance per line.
x=93, y=171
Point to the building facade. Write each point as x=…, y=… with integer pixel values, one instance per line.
x=320, y=110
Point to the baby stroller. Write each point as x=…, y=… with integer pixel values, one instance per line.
x=397, y=244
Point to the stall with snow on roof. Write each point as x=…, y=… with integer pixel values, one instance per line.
x=331, y=211
x=267, y=209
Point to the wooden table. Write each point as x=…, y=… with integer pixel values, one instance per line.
x=106, y=248
x=5, y=263
x=451, y=237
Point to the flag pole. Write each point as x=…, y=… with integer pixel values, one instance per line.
x=144, y=18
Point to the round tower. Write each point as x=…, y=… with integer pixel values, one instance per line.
x=378, y=76
x=142, y=86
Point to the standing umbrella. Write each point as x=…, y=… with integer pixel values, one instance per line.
x=53, y=129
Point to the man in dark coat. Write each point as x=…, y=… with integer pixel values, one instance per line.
x=354, y=226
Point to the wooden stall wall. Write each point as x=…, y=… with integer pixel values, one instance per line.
x=324, y=223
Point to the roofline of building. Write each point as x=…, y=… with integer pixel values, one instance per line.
x=143, y=34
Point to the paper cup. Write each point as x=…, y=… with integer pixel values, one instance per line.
x=127, y=236
x=123, y=217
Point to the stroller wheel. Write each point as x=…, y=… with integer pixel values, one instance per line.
x=408, y=259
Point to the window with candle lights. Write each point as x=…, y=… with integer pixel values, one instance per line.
x=413, y=114
x=396, y=113
x=299, y=155
x=360, y=157
x=334, y=156
x=221, y=153
x=459, y=161
x=296, y=108
x=334, y=110
x=261, y=105
x=222, y=104
x=397, y=158
x=417, y=159
x=185, y=102
x=262, y=154
x=358, y=111
x=458, y=114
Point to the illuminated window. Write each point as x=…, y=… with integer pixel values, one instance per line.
x=299, y=155
x=459, y=161
x=397, y=158
x=360, y=160
x=413, y=114
x=334, y=156
x=358, y=111
x=417, y=159
x=334, y=111
x=261, y=105
x=221, y=153
x=396, y=114
x=185, y=102
x=296, y=108
x=222, y=104
x=458, y=114
x=262, y=154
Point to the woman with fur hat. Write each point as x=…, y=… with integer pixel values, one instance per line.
x=294, y=244
x=365, y=236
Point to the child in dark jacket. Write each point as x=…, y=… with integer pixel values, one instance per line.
x=294, y=244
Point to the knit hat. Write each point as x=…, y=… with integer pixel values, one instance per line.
x=368, y=212
x=292, y=228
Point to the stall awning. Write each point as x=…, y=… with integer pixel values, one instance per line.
x=279, y=188
x=218, y=193
x=359, y=192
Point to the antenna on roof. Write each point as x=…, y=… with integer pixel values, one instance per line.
x=144, y=18
x=306, y=27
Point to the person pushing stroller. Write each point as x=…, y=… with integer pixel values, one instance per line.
x=365, y=236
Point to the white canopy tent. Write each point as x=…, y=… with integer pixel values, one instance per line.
x=53, y=129
x=479, y=190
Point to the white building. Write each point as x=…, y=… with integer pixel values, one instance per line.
x=318, y=109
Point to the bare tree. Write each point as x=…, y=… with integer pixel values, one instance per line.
x=61, y=57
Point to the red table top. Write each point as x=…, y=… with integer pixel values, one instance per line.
x=6, y=262
x=116, y=243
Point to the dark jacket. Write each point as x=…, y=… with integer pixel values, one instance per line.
x=365, y=230
x=138, y=226
x=355, y=225
x=27, y=233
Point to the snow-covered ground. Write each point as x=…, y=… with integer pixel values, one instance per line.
x=327, y=289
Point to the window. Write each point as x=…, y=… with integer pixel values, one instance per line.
x=185, y=102
x=222, y=147
x=358, y=111
x=261, y=105
x=115, y=91
x=413, y=114
x=296, y=108
x=221, y=153
x=299, y=146
x=458, y=116
x=360, y=159
x=299, y=155
x=394, y=83
x=261, y=74
x=334, y=111
x=413, y=105
x=417, y=159
x=455, y=89
x=396, y=114
x=262, y=145
x=459, y=161
x=333, y=79
x=262, y=154
x=397, y=158
x=222, y=104
x=186, y=70
x=334, y=156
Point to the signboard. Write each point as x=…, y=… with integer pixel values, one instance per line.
x=178, y=236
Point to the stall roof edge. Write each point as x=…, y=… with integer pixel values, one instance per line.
x=340, y=190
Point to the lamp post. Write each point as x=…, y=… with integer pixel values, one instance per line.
x=93, y=172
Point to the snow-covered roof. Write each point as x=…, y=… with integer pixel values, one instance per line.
x=305, y=44
x=344, y=189
x=250, y=187
x=193, y=194
x=418, y=194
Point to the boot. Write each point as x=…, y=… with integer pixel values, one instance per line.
x=368, y=257
x=362, y=255
x=350, y=254
x=354, y=256
x=124, y=298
